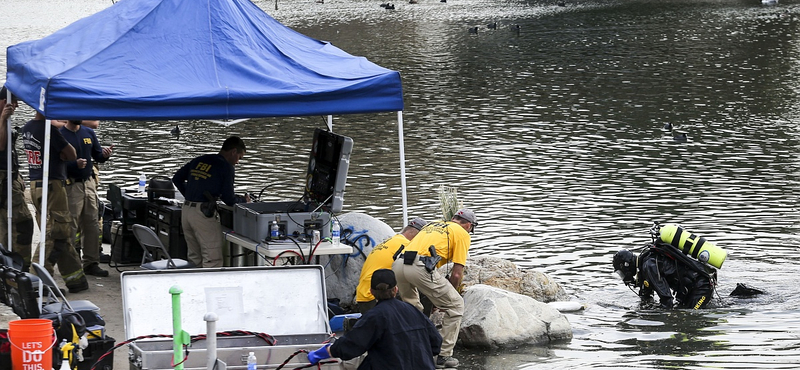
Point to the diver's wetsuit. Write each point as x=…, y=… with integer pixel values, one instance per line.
x=663, y=269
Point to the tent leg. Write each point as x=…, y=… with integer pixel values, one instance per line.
x=402, y=166
x=9, y=180
x=43, y=220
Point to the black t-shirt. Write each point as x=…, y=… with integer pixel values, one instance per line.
x=87, y=147
x=211, y=173
x=33, y=141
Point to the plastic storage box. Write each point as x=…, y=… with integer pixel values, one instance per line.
x=285, y=302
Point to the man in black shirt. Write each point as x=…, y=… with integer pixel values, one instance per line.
x=82, y=192
x=202, y=181
x=396, y=334
x=59, y=248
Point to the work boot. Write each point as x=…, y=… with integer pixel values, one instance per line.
x=104, y=258
x=79, y=287
x=95, y=270
x=443, y=362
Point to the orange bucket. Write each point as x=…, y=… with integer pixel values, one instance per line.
x=32, y=342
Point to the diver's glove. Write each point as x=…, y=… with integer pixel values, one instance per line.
x=316, y=356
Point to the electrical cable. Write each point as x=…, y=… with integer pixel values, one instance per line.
x=311, y=254
x=275, y=260
x=302, y=255
x=273, y=184
x=231, y=333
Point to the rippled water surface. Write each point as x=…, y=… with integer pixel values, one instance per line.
x=555, y=135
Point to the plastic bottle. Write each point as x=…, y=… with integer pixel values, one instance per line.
x=251, y=361
x=336, y=232
x=142, y=182
x=275, y=231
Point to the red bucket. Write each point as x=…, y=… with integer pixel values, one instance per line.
x=32, y=343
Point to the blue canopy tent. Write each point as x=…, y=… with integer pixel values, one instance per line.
x=195, y=59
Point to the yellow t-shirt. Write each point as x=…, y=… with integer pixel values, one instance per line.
x=449, y=239
x=379, y=258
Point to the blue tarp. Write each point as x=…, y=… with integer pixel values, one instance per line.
x=193, y=59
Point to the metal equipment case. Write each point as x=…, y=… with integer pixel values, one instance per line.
x=253, y=220
x=286, y=302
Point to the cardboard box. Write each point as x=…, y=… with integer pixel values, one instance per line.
x=285, y=302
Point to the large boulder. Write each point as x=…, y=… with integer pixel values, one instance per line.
x=364, y=232
x=494, y=317
x=506, y=275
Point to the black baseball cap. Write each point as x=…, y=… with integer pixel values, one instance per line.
x=383, y=276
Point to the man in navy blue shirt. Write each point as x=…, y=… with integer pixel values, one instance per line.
x=82, y=192
x=204, y=180
x=59, y=248
x=395, y=334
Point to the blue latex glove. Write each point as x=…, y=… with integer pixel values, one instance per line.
x=316, y=356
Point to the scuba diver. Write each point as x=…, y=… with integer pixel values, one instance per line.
x=678, y=280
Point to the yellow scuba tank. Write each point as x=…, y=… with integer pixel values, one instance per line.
x=693, y=245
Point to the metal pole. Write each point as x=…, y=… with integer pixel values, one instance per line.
x=45, y=182
x=9, y=179
x=402, y=166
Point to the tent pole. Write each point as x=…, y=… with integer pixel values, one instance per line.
x=9, y=180
x=402, y=166
x=330, y=123
x=45, y=183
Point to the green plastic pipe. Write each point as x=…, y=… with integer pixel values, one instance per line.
x=177, y=330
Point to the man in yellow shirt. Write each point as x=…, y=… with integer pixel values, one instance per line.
x=382, y=257
x=437, y=244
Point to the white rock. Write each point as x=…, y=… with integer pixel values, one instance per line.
x=506, y=275
x=342, y=271
x=566, y=306
x=494, y=317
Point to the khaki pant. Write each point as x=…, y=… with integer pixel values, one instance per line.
x=21, y=219
x=82, y=198
x=58, y=247
x=203, y=237
x=415, y=279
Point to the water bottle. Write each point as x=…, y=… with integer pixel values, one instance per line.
x=336, y=232
x=251, y=361
x=275, y=231
x=142, y=182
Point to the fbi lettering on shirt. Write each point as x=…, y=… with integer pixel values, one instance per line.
x=201, y=171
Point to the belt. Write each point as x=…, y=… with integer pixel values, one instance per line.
x=403, y=256
x=192, y=204
x=39, y=182
x=72, y=181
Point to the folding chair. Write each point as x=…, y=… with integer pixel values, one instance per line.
x=154, y=250
x=56, y=302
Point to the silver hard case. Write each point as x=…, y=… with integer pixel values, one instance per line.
x=286, y=302
x=253, y=220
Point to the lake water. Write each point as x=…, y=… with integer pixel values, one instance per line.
x=554, y=134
